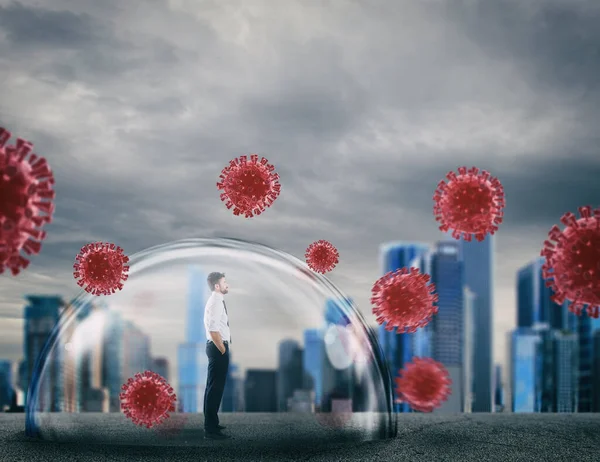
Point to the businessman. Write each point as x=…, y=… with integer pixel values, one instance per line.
x=216, y=324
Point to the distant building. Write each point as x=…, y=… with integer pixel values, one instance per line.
x=566, y=357
x=6, y=384
x=596, y=372
x=161, y=367
x=290, y=373
x=113, y=359
x=398, y=349
x=261, y=390
x=525, y=370
x=469, y=299
x=301, y=401
x=498, y=389
x=191, y=355
x=41, y=316
x=448, y=325
x=312, y=361
x=585, y=348
x=478, y=260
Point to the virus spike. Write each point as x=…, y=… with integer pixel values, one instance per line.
x=321, y=256
x=572, y=265
x=424, y=384
x=470, y=204
x=249, y=187
x=100, y=268
x=147, y=399
x=404, y=300
x=26, y=202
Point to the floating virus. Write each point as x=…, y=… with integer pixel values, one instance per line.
x=572, y=266
x=26, y=202
x=404, y=300
x=249, y=187
x=471, y=203
x=424, y=384
x=321, y=256
x=340, y=415
x=100, y=268
x=147, y=399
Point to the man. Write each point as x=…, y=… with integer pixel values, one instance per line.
x=216, y=324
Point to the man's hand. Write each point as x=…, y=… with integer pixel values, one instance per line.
x=218, y=341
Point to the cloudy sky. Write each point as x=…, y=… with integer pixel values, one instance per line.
x=363, y=106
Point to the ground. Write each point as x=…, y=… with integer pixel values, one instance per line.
x=262, y=437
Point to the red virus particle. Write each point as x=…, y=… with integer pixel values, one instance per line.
x=321, y=256
x=572, y=266
x=100, y=268
x=26, y=202
x=249, y=187
x=424, y=384
x=404, y=300
x=470, y=203
x=147, y=399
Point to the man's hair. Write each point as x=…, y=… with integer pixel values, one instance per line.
x=214, y=278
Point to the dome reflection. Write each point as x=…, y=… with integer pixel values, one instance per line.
x=299, y=349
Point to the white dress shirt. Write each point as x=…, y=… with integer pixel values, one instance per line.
x=215, y=317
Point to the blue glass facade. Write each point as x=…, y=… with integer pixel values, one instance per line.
x=525, y=370
x=312, y=360
x=6, y=384
x=478, y=258
x=399, y=348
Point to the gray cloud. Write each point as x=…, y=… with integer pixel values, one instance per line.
x=362, y=107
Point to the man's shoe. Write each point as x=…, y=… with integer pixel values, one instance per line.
x=215, y=435
x=221, y=427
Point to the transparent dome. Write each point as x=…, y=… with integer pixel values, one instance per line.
x=304, y=365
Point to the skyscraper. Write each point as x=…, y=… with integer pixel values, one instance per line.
x=113, y=360
x=290, y=372
x=469, y=299
x=191, y=355
x=498, y=388
x=596, y=372
x=534, y=304
x=312, y=361
x=585, y=361
x=525, y=369
x=261, y=390
x=6, y=385
x=566, y=357
x=161, y=367
x=478, y=258
x=448, y=325
x=41, y=315
x=399, y=348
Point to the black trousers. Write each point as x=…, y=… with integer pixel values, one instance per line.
x=218, y=364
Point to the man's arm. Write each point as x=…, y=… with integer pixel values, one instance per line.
x=214, y=313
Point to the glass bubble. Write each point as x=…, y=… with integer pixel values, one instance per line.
x=299, y=348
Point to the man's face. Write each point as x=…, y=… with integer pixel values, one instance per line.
x=223, y=286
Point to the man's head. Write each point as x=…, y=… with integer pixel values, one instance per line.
x=217, y=283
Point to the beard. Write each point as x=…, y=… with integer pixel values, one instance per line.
x=225, y=292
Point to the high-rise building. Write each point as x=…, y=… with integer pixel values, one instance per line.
x=498, y=388
x=478, y=259
x=290, y=372
x=399, y=348
x=6, y=384
x=337, y=382
x=566, y=357
x=534, y=304
x=113, y=360
x=469, y=299
x=596, y=372
x=585, y=348
x=525, y=369
x=191, y=355
x=261, y=390
x=41, y=316
x=161, y=367
x=312, y=361
x=448, y=324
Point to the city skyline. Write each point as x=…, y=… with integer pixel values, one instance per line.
x=512, y=97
